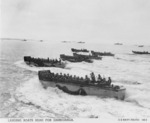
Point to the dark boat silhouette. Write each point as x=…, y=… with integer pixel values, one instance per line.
x=87, y=56
x=75, y=59
x=102, y=53
x=40, y=62
x=79, y=50
x=141, y=46
x=118, y=44
x=139, y=52
x=24, y=40
x=81, y=42
x=76, y=86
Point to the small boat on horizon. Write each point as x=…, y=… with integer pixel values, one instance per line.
x=118, y=44
x=79, y=50
x=141, y=52
x=24, y=40
x=82, y=42
x=141, y=46
x=102, y=53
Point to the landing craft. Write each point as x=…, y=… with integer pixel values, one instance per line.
x=24, y=40
x=102, y=53
x=87, y=56
x=81, y=87
x=118, y=44
x=79, y=50
x=40, y=62
x=141, y=53
x=75, y=59
x=141, y=46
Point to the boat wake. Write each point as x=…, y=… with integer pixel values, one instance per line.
x=133, y=58
x=138, y=95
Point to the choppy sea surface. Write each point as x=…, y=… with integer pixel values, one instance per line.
x=22, y=95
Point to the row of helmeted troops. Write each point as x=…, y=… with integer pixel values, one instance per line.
x=58, y=63
x=41, y=62
x=92, y=80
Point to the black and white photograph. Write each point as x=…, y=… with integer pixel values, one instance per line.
x=75, y=60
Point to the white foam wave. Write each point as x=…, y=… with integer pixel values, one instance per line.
x=138, y=95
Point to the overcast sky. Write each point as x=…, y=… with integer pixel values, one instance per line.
x=109, y=21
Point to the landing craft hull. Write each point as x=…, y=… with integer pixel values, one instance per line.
x=141, y=53
x=86, y=90
x=47, y=65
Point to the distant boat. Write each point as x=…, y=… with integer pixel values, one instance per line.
x=87, y=56
x=141, y=46
x=24, y=40
x=102, y=53
x=79, y=50
x=139, y=52
x=81, y=42
x=75, y=59
x=66, y=41
x=118, y=44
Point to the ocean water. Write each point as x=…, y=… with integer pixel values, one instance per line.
x=22, y=95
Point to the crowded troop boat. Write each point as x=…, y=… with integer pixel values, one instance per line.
x=139, y=52
x=75, y=59
x=102, y=53
x=87, y=56
x=79, y=50
x=76, y=85
x=40, y=62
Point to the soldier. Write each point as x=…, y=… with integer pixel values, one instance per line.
x=81, y=79
x=77, y=79
x=48, y=59
x=56, y=77
x=71, y=78
x=109, y=81
x=92, y=77
x=60, y=77
x=74, y=78
x=52, y=76
x=64, y=75
x=52, y=61
x=56, y=60
x=99, y=79
x=87, y=80
x=67, y=76
x=104, y=80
